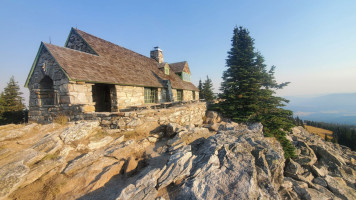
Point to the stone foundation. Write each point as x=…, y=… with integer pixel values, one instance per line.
x=183, y=113
x=188, y=114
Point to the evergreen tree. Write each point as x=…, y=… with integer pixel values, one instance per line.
x=248, y=91
x=208, y=90
x=200, y=87
x=2, y=106
x=11, y=103
x=241, y=79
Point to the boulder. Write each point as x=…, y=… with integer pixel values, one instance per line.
x=81, y=162
x=101, y=143
x=79, y=131
x=11, y=131
x=211, y=117
x=144, y=187
x=172, y=129
x=235, y=164
x=11, y=176
x=340, y=188
x=306, y=155
x=293, y=168
x=177, y=168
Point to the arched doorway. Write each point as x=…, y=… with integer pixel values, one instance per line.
x=46, y=91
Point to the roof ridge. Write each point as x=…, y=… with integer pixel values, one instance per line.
x=179, y=62
x=114, y=44
x=45, y=43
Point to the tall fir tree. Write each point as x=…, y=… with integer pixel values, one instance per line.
x=241, y=79
x=11, y=103
x=200, y=87
x=2, y=106
x=208, y=90
x=248, y=91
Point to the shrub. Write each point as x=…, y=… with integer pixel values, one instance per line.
x=61, y=119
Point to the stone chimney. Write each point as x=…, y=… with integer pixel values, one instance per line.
x=157, y=54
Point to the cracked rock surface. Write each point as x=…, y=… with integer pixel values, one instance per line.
x=226, y=161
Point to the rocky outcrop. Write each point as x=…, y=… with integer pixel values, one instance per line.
x=321, y=170
x=217, y=160
x=79, y=131
x=240, y=163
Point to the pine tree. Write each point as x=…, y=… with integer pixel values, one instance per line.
x=241, y=79
x=11, y=103
x=248, y=91
x=2, y=106
x=200, y=87
x=208, y=90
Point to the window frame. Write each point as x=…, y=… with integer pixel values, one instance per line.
x=185, y=76
x=179, y=95
x=150, y=95
x=166, y=70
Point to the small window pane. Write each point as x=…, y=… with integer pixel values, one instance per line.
x=150, y=95
x=179, y=95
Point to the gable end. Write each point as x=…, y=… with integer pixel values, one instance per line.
x=77, y=42
x=43, y=51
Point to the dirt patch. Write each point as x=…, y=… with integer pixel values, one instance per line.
x=320, y=132
x=46, y=187
x=189, y=138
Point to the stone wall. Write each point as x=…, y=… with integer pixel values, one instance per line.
x=40, y=106
x=187, y=114
x=174, y=94
x=77, y=43
x=129, y=96
x=187, y=95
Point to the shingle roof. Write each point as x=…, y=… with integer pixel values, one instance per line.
x=180, y=67
x=160, y=65
x=114, y=64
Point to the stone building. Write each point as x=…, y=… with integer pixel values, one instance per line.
x=90, y=75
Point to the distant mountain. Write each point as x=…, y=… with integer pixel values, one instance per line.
x=334, y=108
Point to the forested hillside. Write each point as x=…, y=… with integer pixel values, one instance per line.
x=342, y=134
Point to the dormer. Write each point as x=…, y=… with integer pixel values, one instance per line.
x=181, y=69
x=164, y=67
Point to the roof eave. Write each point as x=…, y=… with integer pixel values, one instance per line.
x=33, y=65
x=43, y=45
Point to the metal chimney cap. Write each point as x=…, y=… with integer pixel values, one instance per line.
x=157, y=48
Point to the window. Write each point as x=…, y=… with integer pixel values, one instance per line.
x=193, y=95
x=151, y=95
x=179, y=95
x=166, y=70
x=186, y=77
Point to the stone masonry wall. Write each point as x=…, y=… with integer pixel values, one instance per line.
x=187, y=95
x=46, y=66
x=129, y=96
x=174, y=94
x=77, y=43
x=188, y=114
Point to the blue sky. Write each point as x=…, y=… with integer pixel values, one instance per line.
x=312, y=43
